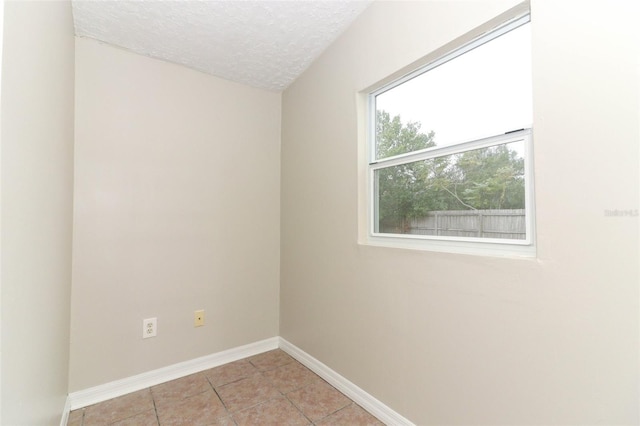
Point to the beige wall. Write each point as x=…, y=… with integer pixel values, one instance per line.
x=455, y=339
x=177, y=189
x=37, y=183
x=176, y=209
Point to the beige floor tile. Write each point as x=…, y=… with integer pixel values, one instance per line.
x=318, y=400
x=199, y=410
x=351, y=415
x=148, y=418
x=231, y=372
x=119, y=408
x=247, y=392
x=290, y=376
x=179, y=389
x=75, y=418
x=270, y=360
x=223, y=421
x=274, y=412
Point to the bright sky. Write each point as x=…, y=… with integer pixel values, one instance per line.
x=459, y=105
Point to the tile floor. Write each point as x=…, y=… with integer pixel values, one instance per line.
x=266, y=389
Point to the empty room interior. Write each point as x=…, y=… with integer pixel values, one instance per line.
x=255, y=185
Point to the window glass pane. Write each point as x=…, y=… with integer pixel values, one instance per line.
x=478, y=194
x=482, y=93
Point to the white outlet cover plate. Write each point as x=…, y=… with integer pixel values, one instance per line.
x=149, y=327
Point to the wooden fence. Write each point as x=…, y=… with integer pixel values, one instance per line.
x=507, y=224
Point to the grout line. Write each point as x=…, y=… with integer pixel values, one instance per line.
x=339, y=409
x=219, y=397
x=298, y=408
x=226, y=409
x=155, y=408
x=262, y=374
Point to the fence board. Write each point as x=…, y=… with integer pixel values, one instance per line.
x=506, y=224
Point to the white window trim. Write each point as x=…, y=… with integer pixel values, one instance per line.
x=464, y=245
x=478, y=41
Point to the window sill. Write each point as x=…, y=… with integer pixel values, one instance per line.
x=457, y=246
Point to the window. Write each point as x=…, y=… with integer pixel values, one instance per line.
x=450, y=150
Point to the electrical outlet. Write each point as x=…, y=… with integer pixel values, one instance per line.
x=149, y=327
x=198, y=319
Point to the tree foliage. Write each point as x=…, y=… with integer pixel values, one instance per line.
x=487, y=178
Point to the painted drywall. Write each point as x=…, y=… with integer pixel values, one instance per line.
x=456, y=339
x=177, y=181
x=37, y=184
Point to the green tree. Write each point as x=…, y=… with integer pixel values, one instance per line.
x=486, y=178
x=394, y=138
x=492, y=178
x=402, y=194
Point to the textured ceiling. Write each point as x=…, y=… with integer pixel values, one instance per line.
x=265, y=44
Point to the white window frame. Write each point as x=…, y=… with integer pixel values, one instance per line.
x=465, y=245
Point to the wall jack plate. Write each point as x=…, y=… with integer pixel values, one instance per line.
x=149, y=327
x=198, y=318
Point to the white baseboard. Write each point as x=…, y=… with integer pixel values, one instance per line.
x=121, y=387
x=359, y=396
x=65, y=414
